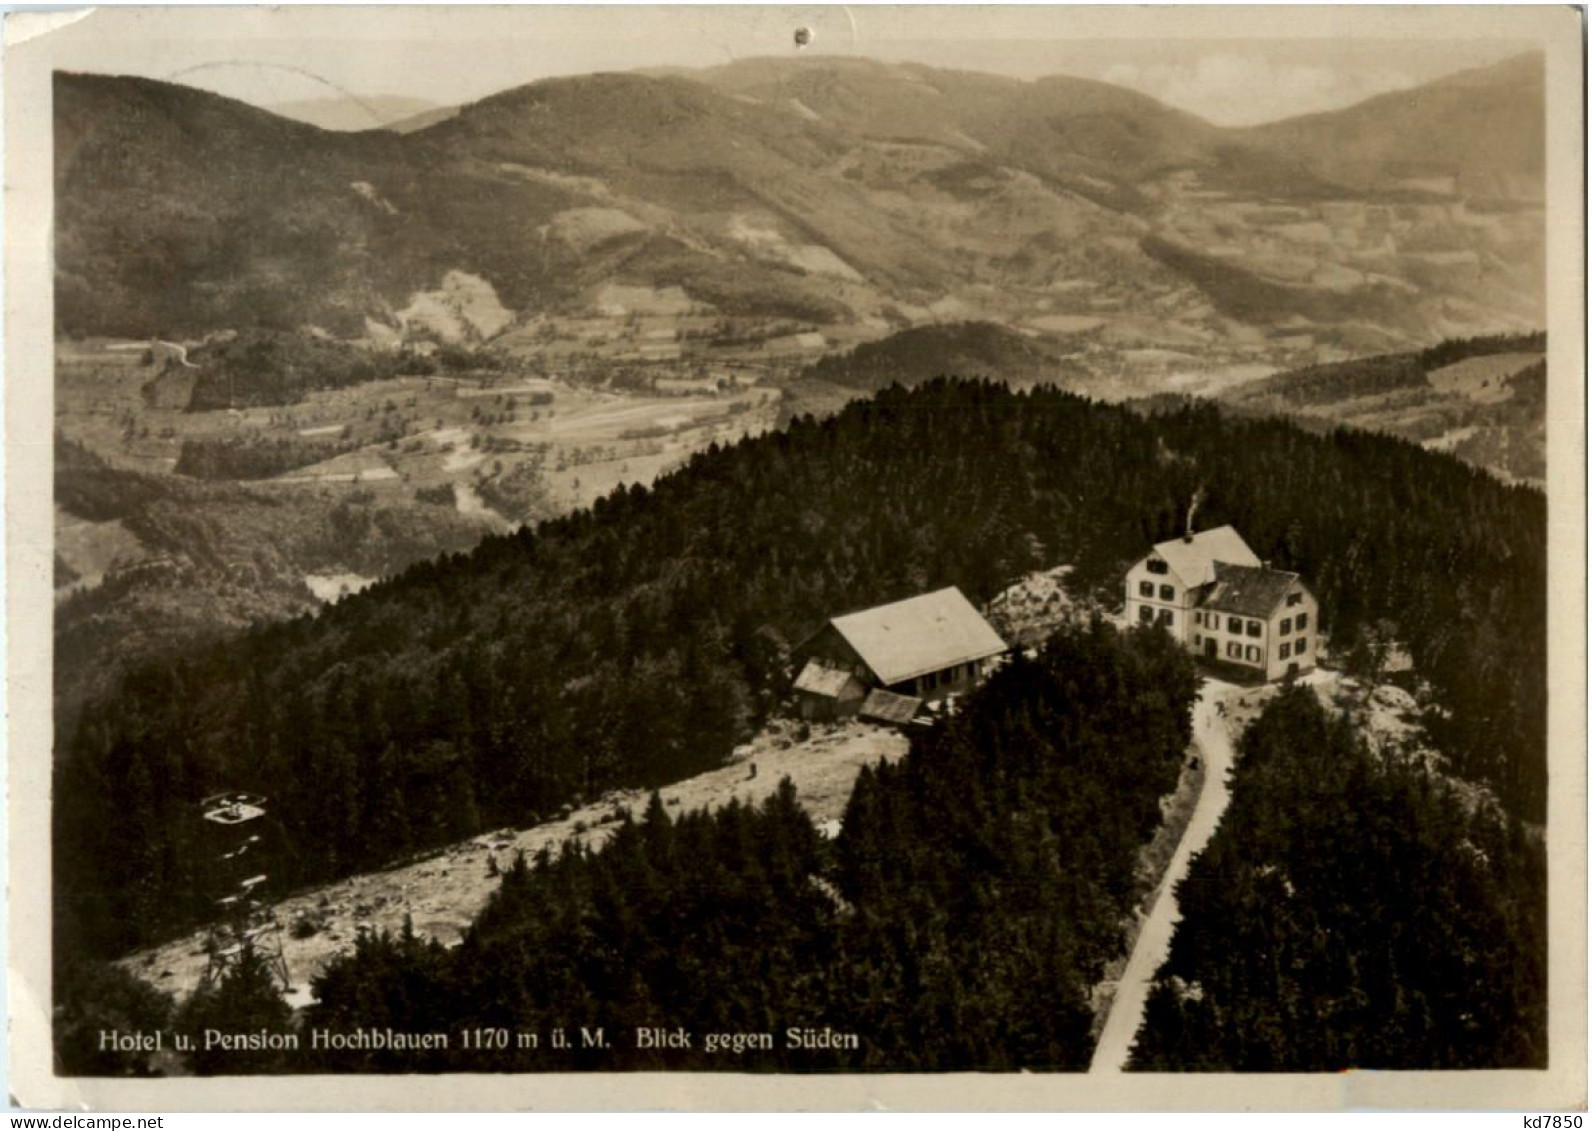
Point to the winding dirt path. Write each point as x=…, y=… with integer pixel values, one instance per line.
x=1155, y=935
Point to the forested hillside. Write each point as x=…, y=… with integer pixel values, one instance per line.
x=200, y=561
x=624, y=645
x=960, y=921
x=1385, y=373
x=843, y=192
x=264, y=368
x=1352, y=911
x=1484, y=399
x=919, y=354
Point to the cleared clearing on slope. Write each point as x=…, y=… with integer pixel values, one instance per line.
x=443, y=892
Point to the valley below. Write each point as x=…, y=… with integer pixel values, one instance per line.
x=170, y=527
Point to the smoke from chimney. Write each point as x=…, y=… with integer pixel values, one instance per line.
x=1193, y=506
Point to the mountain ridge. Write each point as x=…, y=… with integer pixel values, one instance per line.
x=854, y=194
x=353, y=113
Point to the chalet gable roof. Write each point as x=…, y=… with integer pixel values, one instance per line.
x=922, y=634
x=1194, y=561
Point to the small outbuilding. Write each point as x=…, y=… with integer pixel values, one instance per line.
x=824, y=694
x=889, y=708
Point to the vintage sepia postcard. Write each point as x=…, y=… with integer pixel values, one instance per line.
x=749, y=557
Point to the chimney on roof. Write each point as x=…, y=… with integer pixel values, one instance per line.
x=1193, y=506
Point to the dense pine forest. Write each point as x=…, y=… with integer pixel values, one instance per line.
x=1352, y=911
x=960, y=921
x=639, y=641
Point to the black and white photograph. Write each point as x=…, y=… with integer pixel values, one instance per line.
x=803, y=550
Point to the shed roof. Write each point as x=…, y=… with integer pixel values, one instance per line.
x=819, y=679
x=888, y=707
x=1247, y=590
x=1194, y=559
x=927, y=633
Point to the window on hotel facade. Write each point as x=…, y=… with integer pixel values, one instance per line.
x=1146, y=614
x=1282, y=650
x=1147, y=589
x=1166, y=617
x=1254, y=628
x=1235, y=626
x=1252, y=654
x=1235, y=650
x=1286, y=627
x=1155, y=565
x=1294, y=599
x=1301, y=620
x=1168, y=593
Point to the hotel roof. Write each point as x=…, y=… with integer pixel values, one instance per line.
x=1194, y=560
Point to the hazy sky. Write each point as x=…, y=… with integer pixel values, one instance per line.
x=1232, y=66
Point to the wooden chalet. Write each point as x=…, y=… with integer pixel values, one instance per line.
x=924, y=647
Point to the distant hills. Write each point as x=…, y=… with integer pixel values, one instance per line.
x=839, y=192
x=1483, y=399
x=1091, y=137
x=966, y=349
x=1477, y=134
x=381, y=111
